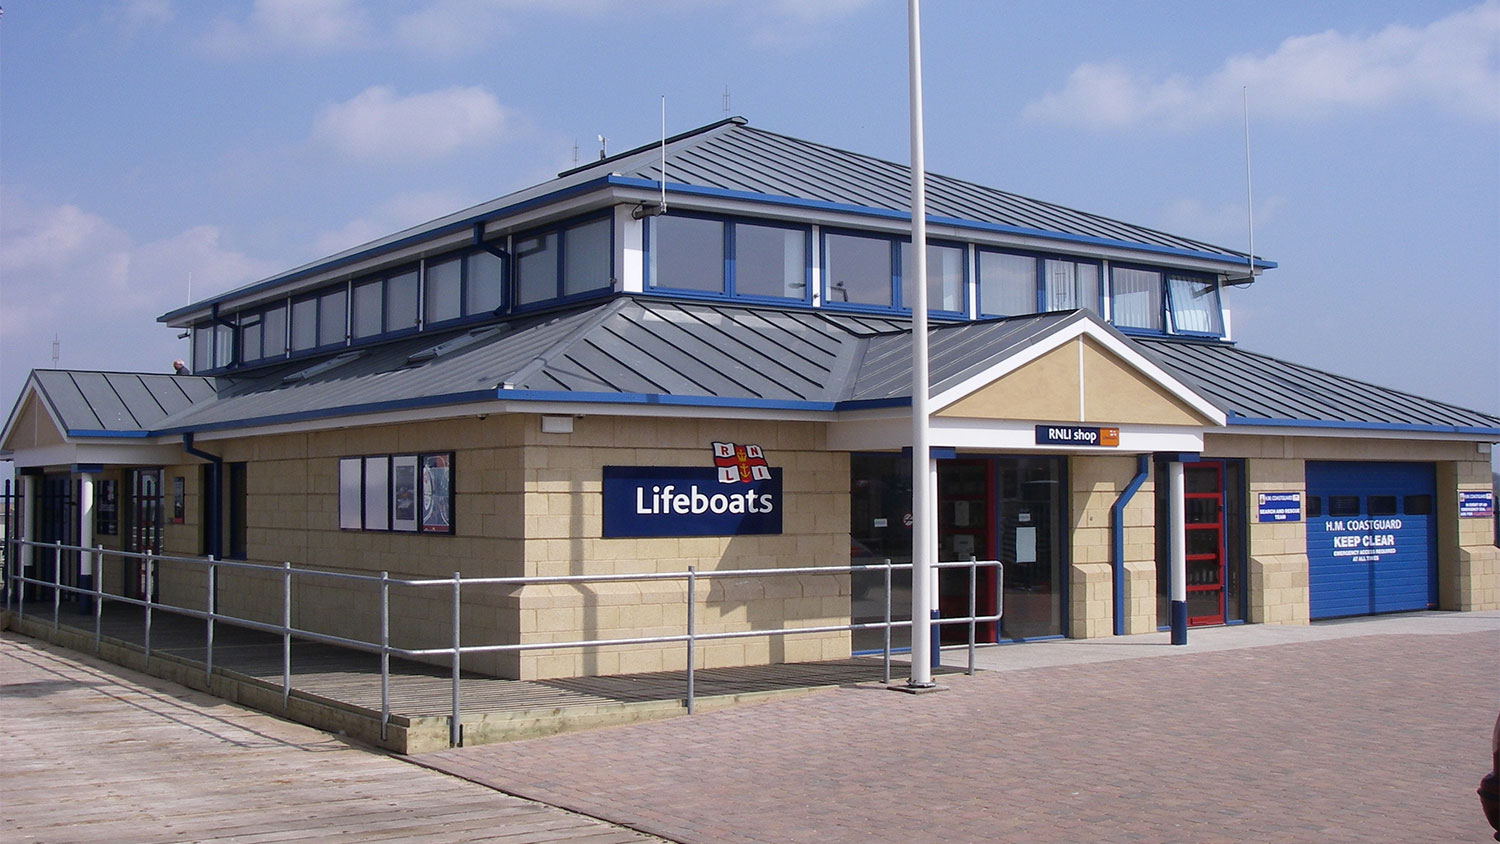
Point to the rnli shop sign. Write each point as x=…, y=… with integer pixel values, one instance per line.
x=739, y=494
x=1077, y=435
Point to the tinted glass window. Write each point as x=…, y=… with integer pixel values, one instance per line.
x=1382, y=505
x=945, y=277
x=482, y=277
x=536, y=268
x=770, y=261
x=1343, y=505
x=857, y=270
x=1135, y=298
x=1007, y=283
x=586, y=258
x=1195, y=305
x=1314, y=506
x=331, y=313
x=366, y=319
x=273, y=332
x=687, y=253
x=304, y=325
x=401, y=302
x=444, y=290
x=1071, y=285
x=1417, y=505
x=250, y=337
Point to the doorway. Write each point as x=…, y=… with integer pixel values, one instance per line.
x=143, y=517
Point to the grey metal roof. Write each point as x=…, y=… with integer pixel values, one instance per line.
x=1254, y=388
x=118, y=402
x=646, y=350
x=735, y=159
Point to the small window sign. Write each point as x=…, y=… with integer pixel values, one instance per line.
x=1279, y=506
x=1476, y=505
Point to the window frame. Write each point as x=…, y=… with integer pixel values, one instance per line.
x=1170, y=302
x=1161, y=300
x=383, y=279
x=355, y=495
x=895, y=245
x=512, y=279
x=729, y=258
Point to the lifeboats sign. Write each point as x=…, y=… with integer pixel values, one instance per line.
x=1077, y=435
x=739, y=494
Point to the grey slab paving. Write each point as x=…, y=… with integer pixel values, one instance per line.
x=91, y=752
x=1375, y=730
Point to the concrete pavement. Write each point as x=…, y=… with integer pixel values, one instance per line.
x=1374, y=730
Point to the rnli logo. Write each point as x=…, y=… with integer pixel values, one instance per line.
x=740, y=464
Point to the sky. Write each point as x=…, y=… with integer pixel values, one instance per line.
x=154, y=152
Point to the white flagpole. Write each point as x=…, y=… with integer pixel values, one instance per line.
x=923, y=536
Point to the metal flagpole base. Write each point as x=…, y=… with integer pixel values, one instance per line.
x=1179, y=622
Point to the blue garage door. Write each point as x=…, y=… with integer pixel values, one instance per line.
x=1370, y=538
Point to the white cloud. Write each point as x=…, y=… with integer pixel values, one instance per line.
x=1453, y=63
x=395, y=214
x=316, y=25
x=140, y=12
x=379, y=126
x=74, y=274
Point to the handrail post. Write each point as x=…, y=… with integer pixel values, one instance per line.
x=455, y=730
x=208, y=661
x=385, y=652
x=98, y=598
x=692, y=588
x=20, y=580
x=973, y=605
x=56, y=582
x=885, y=676
x=150, y=588
x=286, y=635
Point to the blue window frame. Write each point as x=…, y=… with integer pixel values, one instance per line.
x=1194, y=305
x=462, y=285
x=318, y=320
x=263, y=333
x=385, y=304
x=565, y=262
x=1136, y=298
x=868, y=271
x=740, y=258
x=1012, y=283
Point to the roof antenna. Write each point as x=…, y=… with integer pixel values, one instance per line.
x=646, y=209
x=575, y=152
x=726, y=100
x=1249, y=194
x=56, y=350
x=603, y=142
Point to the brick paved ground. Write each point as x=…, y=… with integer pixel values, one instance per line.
x=91, y=752
x=1372, y=738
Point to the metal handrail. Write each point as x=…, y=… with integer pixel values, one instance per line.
x=457, y=650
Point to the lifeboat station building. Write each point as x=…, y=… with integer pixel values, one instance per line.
x=698, y=353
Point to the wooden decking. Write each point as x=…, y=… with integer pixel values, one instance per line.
x=339, y=688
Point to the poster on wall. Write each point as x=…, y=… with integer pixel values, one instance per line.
x=437, y=493
x=404, y=493
x=1476, y=505
x=107, y=510
x=179, y=500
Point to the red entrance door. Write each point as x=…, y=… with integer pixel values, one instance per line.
x=143, y=529
x=1203, y=485
x=965, y=530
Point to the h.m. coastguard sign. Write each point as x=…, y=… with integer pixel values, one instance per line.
x=740, y=494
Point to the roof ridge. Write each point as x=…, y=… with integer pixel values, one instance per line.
x=672, y=139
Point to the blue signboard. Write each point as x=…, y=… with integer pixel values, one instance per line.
x=1476, y=505
x=1279, y=506
x=1077, y=435
x=688, y=501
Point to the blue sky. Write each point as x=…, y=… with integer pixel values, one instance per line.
x=150, y=146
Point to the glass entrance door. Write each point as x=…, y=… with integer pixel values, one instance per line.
x=1203, y=494
x=143, y=527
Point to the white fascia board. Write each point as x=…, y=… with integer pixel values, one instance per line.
x=487, y=408
x=1007, y=435
x=1065, y=335
x=1350, y=433
x=114, y=453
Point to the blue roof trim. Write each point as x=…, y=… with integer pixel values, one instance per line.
x=660, y=400
x=324, y=413
x=1363, y=426
x=98, y=433
x=333, y=264
x=905, y=216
